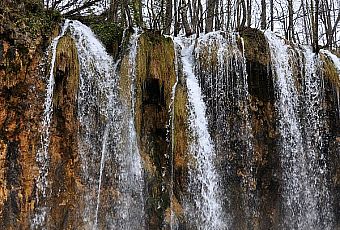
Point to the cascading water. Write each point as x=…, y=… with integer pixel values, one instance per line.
x=98, y=113
x=42, y=155
x=106, y=156
x=130, y=207
x=304, y=189
x=203, y=207
x=291, y=146
x=222, y=75
x=220, y=149
x=314, y=128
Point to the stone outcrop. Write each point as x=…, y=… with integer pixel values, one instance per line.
x=332, y=147
x=155, y=76
x=23, y=67
x=22, y=89
x=263, y=119
x=65, y=184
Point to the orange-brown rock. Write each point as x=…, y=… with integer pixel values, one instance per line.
x=263, y=120
x=155, y=77
x=21, y=107
x=64, y=159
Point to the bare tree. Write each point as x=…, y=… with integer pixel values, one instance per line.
x=210, y=15
x=184, y=16
x=263, y=14
x=317, y=20
x=315, y=26
x=290, y=20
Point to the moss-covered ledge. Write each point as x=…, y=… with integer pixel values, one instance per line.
x=256, y=46
x=111, y=35
x=155, y=77
x=257, y=55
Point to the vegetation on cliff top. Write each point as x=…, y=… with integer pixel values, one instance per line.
x=25, y=27
x=22, y=23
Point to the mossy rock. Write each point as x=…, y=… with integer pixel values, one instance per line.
x=257, y=54
x=66, y=72
x=155, y=77
x=330, y=71
x=256, y=46
x=110, y=34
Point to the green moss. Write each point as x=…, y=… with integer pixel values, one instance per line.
x=28, y=19
x=109, y=34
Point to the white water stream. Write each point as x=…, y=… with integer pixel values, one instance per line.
x=206, y=212
x=106, y=156
x=300, y=127
x=42, y=154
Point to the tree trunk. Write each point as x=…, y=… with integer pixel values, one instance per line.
x=305, y=21
x=316, y=28
x=263, y=15
x=272, y=15
x=210, y=16
x=176, y=18
x=184, y=15
x=168, y=17
x=244, y=14
x=249, y=8
x=228, y=14
x=290, y=20
x=217, y=16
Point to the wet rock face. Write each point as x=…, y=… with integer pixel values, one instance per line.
x=155, y=76
x=21, y=90
x=64, y=166
x=332, y=147
x=180, y=158
x=263, y=120
x=257, y=54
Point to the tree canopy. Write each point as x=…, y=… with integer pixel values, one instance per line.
x=312, y=22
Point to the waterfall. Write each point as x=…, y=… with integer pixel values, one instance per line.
x=42, y=154
x=314, y=133
x=218, y=186
x=203, y=207
x=98, y=113
x=221, y=68
x=107, y=144
x=291, y=148
x=300, y=127
x=130, y=207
